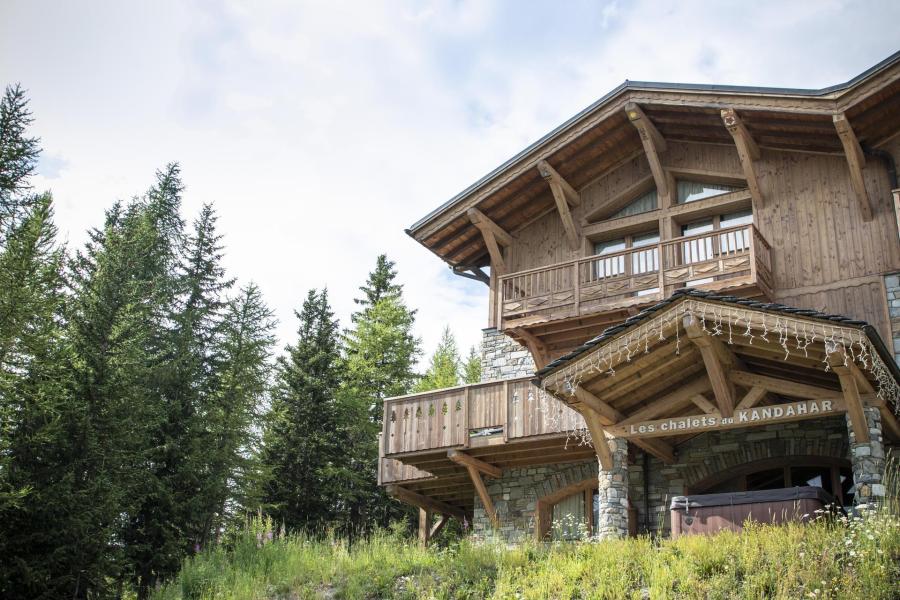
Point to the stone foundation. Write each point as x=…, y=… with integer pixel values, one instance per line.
x=892, y=285
x=503, y=358
x=868, y=460
x=612, y=493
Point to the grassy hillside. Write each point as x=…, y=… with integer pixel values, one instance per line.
x=845, y=558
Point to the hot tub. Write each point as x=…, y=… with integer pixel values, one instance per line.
x=708, y=513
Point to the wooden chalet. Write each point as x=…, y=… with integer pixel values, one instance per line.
x=695, y=271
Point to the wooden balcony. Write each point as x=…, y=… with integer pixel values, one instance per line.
x=735, y=259
x=508, y=423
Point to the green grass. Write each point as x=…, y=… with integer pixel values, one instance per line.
x=849, y=558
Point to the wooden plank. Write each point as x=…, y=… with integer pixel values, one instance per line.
x=466, y=460
x=654, y=144
x=747, y=151
x=438, y=526
x=486, y=501
x=535, y=346
x=714, y=356
x=572, y=229
x=410, y=497
x=856, y=160
x=748, y=417
x=854, y=404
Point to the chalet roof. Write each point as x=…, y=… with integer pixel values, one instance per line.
x=769, y=307
x=600, y=137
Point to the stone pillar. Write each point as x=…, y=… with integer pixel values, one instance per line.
x=612, y=492
x=892, y=285
x=867, y=459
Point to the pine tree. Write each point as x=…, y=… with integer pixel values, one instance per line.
x=379, y=285
x=444, y=370
x=471, y=369
x=303, y=447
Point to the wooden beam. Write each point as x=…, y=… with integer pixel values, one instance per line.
x=752, y=398
x=410, y=497
x=747, y=151
x=657, y=448
x=607, y=414
x=562, y=198
x=486, y=501
x=704, y=404
x=847, y=374
x=439, y=526
x=598, y=440
x=466, y=460
x=550, y=174
x=783, y=386
x=489, y=231
x=425, y=518
x=475, y=273
x=716, y=359
x=480, y=220
x=535, y=346
x=673, y=401
x=654, y=144
x=856, y=160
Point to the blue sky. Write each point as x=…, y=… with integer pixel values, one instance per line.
x=322, y=130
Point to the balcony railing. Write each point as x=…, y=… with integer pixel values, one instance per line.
x=468, y=416
x=725, y=258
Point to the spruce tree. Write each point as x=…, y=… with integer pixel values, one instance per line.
x=444, y=370
x=18, y=158
x=303, y=446
x=471, y=368
x=380, y=357
x=245, y=341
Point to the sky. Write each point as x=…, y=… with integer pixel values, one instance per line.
x=321, y=130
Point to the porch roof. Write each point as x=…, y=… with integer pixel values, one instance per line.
x=700, y=358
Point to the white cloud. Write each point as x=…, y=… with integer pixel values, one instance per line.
x=321, y=130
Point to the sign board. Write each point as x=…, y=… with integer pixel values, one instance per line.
x=747, y=417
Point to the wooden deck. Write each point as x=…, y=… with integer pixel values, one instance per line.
x=485, y=418
x=734, y=258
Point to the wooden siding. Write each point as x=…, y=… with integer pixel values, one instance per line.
x=810, y=219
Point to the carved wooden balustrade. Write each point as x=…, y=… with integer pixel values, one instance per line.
x=717, y=260
x=467, y=416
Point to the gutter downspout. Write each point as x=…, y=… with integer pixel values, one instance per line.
x=646, y=470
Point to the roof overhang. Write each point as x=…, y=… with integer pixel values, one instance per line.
x=697, y=354
x=600, y=137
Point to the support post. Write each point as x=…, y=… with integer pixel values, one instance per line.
x=425, y=518
x=747, y=151
x=867, y=459
x=612, y=492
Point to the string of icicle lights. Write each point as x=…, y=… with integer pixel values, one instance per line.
x=793, y=335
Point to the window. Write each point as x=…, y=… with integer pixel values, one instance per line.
x=638, y=262
x=691, y=191
x=609, y=267
x=642, y=204
x=704, y=248
x=569, y=518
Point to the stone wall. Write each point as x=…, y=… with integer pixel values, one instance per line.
x=718, y=451
x=503, y=358
x=892, y=284
x=515, y=497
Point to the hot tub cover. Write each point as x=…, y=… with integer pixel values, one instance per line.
x=756, y=497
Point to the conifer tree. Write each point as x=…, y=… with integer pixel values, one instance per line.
x=380, y=357
x=303, y=447
x=245, y=343
x=471, y=369
x=18, y=158
x=444, y=370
